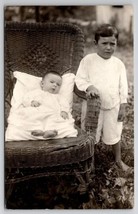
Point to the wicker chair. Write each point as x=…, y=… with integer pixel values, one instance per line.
x=30, y=47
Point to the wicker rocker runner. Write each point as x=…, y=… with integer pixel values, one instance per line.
x=30, y=48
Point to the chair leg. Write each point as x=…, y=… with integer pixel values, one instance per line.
x=84, y=179
x=8, y=191
x=82, y=188
x=9, y=186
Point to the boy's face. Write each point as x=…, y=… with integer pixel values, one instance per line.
x=106, y=46
x=51, y=83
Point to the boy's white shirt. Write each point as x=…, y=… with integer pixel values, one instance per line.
x=107, y=75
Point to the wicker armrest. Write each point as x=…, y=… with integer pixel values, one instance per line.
x=89, y=115
x=90, y=112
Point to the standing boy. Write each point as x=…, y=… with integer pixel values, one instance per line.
x=104, y=75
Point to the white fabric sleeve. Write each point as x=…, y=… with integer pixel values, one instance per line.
x=29, y=97
x=123, y=85
x=81, y=79
x=64, y=105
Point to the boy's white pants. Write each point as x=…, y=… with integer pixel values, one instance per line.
x=108, y=127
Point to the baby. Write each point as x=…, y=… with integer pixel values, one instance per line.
x=48, y=100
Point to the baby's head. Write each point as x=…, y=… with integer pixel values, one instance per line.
x=51, y=82
x=106, y=37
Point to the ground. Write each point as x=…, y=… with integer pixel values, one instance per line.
x=110, y=188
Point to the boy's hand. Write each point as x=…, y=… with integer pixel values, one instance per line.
x=122, y=112
x=92, y=92
x=35, y=103
x=64, y=115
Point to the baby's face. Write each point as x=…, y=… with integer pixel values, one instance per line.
x=52, y=83
x=106, y=46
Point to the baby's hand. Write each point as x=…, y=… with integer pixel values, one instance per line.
x=92, y=92
x=35, y=103
x=64, y=115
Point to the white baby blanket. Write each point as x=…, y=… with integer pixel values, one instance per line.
x=22, y=121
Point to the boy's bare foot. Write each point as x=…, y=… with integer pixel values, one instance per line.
x=50, y=133
x=37, y=133
x=123, y=166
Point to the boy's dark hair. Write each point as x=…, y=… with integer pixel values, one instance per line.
x=52, y=72
x=105, y=30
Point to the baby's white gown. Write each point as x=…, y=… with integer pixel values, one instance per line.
x=23, y=120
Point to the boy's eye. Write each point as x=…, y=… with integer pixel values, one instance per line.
x=113, y=44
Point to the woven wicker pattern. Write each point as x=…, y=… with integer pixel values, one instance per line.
x=48, y=153
x=92, y=114
x=34, y=49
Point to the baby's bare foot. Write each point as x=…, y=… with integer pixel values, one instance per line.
x=50, y=133
x=37, y=133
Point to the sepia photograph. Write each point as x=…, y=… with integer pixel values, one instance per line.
x=69, y=107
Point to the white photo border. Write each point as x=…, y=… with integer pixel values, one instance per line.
x=4, y=3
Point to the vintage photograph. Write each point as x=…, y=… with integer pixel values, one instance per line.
x=69, y=107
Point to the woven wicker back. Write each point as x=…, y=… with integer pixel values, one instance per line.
x=36, y=48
